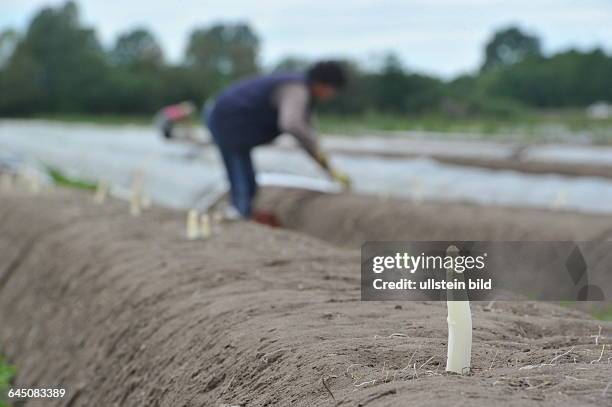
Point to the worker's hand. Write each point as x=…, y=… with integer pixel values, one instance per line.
x=322, y=159
x=341, y=178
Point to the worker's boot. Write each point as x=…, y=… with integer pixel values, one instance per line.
x=266, y=218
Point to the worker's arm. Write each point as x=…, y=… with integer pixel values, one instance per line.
x=293, y=118
x=292, y=102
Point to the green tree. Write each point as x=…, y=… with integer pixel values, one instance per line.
x=395, y=90
x=59, y=63
x=8, y=42
x=568, y=79
x=509, y=46
x=21, y=86
x=136, y=75
x=138, y=49
x=357, y=97
x=389, y=93
x=223, y=52
x=292, y=64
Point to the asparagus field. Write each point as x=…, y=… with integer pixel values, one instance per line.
x=126, y=311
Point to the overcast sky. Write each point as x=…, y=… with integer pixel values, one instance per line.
x=443, y=37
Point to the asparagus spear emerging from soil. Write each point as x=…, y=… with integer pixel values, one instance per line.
x=193, y=227
x=459, y=326
x=101, y=192
x=205, y=226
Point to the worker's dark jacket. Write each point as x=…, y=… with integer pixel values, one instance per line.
x=244, y=115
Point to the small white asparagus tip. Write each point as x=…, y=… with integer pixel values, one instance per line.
x=7, y=181
x=34, y=183
x=205, y=226
x=193, y=227
x=140, y=202
x=30, y=180
x=101, y=192
x=146, y=202
x=135, y=207
x=417, y=192
x=560, y=200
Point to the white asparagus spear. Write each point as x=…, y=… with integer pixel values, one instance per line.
x=459, y=337
x=135, y=207
x=193, y=228
x=101, y=192
x=205, y=226
x=459, y=320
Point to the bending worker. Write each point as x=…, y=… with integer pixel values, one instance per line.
x=255, y=111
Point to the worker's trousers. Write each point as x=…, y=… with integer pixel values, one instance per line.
x=240, y=172
x=241, y=176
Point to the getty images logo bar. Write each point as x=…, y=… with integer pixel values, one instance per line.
x=483, y=270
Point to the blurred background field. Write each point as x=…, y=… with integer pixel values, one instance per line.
x=472, y=100
x=565, y=125
x=57, y=67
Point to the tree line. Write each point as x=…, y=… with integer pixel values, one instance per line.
x=59, y=66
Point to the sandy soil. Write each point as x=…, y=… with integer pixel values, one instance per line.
x=348, y=220
x=124, y=311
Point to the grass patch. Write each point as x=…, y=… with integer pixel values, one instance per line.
x=63, y=180
x=101, y=119
x=7, y=372
x=604, y=314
